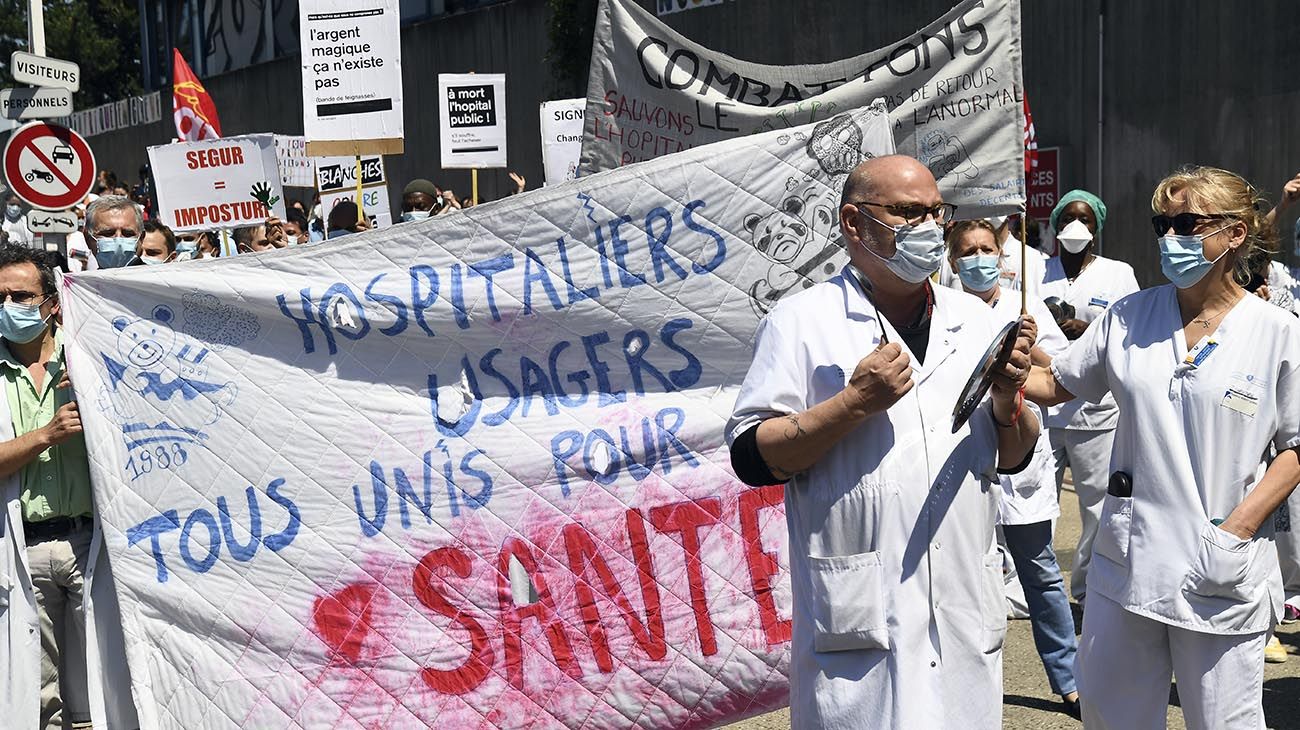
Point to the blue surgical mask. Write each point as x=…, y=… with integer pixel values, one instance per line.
x=979, y=272
x=918, y=250
x=21, y=323
x=13, y=212
x=414, y=215
x=187, y=249
x=1182, y=259
x=114, y=251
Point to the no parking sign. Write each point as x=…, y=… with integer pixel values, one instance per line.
x=49, y=166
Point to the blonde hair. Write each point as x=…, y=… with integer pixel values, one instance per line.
x=1211, y=190
x=957, y=229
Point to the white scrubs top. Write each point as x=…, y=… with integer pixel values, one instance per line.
x=1101, y=284
x=898, y=609
x=1191, y=434
x=1030, y=496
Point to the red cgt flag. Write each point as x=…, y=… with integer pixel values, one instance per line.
x=192, y=107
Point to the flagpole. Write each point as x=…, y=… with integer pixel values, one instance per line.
x=1024, y=269
x=473, y=185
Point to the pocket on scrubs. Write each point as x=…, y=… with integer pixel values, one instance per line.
x=1222, y=568
x=1114, y=528
x=993, y=603
x=849, y=603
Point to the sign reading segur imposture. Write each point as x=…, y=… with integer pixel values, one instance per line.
x=220, y=183
x=467, y=472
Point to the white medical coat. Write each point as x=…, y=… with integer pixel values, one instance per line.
x=1193, y=455
x=1101, y=284
x=108, y=681
x=1029, y=496
x=898, y=609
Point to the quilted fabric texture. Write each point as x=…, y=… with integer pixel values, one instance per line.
x=468, y=472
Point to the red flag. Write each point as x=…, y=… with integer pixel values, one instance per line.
x=1031, y=140
x=192, y=107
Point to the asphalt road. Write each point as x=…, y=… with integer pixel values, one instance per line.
x=1028, y=703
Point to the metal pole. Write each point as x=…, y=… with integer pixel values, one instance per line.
x=36, y=27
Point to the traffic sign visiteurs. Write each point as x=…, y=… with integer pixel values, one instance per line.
x=29, y=68
x=48, y=166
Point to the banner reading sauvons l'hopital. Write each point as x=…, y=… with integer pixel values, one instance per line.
x=953, y=90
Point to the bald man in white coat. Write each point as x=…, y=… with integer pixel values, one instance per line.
x=898, y=609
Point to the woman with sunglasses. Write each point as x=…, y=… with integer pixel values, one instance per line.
x=1083, y=432
x=1185, y=576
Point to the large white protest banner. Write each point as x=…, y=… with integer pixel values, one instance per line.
x=463, y=472
x=336, y=179
x=351, y=77
x=561, y=123
x=953, y=89
x=217, y=183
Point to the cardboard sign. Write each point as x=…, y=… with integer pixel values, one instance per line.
x=472, y=120
x=462, y=473
x=561, y=138
x=351, y=77
x=667, y=7
x=29, y=68
x=296, y=168
x=953, y=90
x=336, y=178
x=38, y=103
x=218, y=183
x=1044, y=183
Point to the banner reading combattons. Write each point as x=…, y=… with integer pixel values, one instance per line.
x=462, y=472
x=953, y=90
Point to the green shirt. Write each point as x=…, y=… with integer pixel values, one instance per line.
x=57, y=482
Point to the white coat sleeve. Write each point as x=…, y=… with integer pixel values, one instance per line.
x=1288, y=400
x=1051, y=340
x=774, y=385
x=1082, y=368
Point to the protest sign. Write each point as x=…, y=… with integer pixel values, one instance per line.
x=561, y=138
x=296, y=168
x=217, y=183
x=463, y=472
x=667, y=7
x=351, y=77
x=953, y=89
x=472, y=120
x=336, y=178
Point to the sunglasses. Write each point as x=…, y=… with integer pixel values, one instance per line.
x=916, y=213
x=1184, y=224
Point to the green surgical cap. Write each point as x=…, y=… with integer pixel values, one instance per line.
x=1098, y=207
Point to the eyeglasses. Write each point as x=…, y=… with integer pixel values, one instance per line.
x=24, y=298
x=916, y=213
x=1184, y=224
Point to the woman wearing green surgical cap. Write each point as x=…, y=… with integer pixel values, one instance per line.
x=1082, y=433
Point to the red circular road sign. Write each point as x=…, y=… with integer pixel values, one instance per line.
x=50, y=167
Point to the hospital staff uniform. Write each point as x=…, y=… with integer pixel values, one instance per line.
x=1168, y=589
x=897, y=591
x=1083, y=432
x=1026, y=511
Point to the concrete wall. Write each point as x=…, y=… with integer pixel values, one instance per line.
x=1184, y=81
